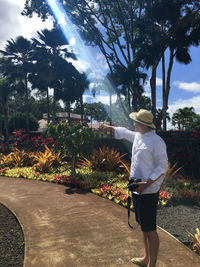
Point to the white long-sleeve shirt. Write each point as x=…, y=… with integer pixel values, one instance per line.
x=149, y=157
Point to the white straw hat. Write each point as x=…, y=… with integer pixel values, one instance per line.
x=143, y=116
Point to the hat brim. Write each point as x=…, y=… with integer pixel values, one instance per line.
x=133, y=116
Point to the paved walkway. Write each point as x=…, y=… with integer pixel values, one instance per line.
x=64, y=227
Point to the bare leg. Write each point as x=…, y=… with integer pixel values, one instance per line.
x=153, y=244
x=146, y=257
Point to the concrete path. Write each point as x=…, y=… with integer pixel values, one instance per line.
x=64, y=227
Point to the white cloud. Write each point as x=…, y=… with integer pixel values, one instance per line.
x=14, y=24
x=190, y=87
x=181, y=103
x=99, y=98
x=80, y=65
x=158, y=81
x=101, y=62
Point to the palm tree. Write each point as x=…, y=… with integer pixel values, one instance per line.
x=42, y=74
x=19, y=51
x=166, y=25
x=7, y=86
x=183, y=117
x=82, y=86
x=4, y=93
x=52, y=62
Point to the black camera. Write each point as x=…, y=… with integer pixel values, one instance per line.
x=131, y=186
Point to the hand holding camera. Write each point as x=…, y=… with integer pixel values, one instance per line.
x=132, y=185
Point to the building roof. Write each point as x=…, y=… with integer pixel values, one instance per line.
x=64, y=115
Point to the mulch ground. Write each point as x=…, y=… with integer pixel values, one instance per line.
x=11, y=239
x=176, y=220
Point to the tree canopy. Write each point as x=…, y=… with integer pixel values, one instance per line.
x=133, y=36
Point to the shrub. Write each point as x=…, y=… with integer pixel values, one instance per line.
x=75, y=140
x=184, y=148
x=22, y=141
x=39, y=143
x=5, y=148
x=17, y=121
x=190, y=196
x=104, y=159
x=17, y=158
x=47, y=159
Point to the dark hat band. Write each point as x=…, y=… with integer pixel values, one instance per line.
x=149, y=123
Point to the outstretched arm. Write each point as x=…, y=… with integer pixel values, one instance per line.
x=106, y=127
x=119, y=132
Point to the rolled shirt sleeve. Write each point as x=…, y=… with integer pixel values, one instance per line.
x=160, y=159
x=123, y=133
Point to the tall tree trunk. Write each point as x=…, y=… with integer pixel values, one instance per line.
x=54, y=107
x=48, y=114
x=1, y=127
x=167, y=89
x=110, y=111
x=27, y=104
x=129, y=99
x=164, y=93
x=5, y=109
x=110, y=107
x=82, y=107
x=73, y=165
x=68, y=111
x=153, y=89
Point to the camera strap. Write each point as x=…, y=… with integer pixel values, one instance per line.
x=129, y=209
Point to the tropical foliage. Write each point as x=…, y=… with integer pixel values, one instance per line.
x=103, y=159
x=17, y=158
x=186, y=118
x=45, y=160
x=195, y=240
x=75, y=140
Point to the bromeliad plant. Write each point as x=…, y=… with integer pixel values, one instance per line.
x=45, y=160
x=103, y=159
x=17, y=158
x=172, y=172
x=195, y=240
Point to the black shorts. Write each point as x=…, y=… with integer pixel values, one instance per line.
x=145, y=207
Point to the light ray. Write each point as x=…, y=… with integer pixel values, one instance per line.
x=72, y=35
x=94, y=72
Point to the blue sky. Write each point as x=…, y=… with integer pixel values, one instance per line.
x=185, y=79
